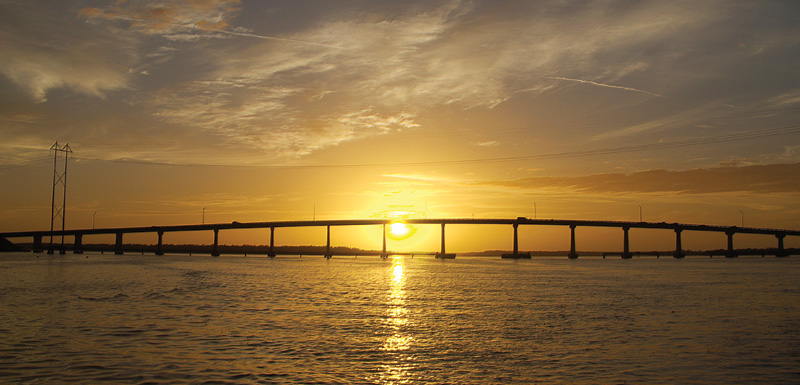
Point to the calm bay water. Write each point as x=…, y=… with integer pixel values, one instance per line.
x=179, y=319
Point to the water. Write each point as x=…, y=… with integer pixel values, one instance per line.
x=179, y=319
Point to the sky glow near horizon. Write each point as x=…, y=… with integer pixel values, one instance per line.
x=264, y=110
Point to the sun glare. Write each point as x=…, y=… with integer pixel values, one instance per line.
x=399, y=231
x=399, y=228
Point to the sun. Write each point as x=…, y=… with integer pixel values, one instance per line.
x=399, y=231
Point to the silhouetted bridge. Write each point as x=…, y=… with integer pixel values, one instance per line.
x=678, y=228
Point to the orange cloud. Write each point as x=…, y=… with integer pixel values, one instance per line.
x=208, y=26
x=773, y=178
x=91, y=12
x=169, y=17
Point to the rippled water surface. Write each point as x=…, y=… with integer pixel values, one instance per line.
x=179, y=319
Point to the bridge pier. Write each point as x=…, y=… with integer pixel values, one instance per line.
x=781, y=251
x=443, y=254
x=37, y=244
x=77, y=245
x=626, y=251
x=328, y=253
x=384, y=254
x=516, y=239
x=516, y=254
x=573, y=254
x=730, y=253
x=678, y=248
x=118, y=244
x=215, y=247
x=271, y=242
x=159, y=250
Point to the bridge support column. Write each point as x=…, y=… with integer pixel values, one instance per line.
x=443, y=254
x=384, y=254
x=516, y=254
x=781, y=251
x=328, y=253
x=271, y=242
x=215, y=247
x=572, y=252
x=118, y=244
x=516, y=239
x=626, y=250
x=159, y=250
x=442, y=239
x=77, y=245
x=678, y=248
x=730, y=253
x=37, y=244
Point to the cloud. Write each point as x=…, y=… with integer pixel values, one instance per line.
x=402, y=64
x=756, y=179
x=390, y=67
x=43, y=51
x=172, y=19
x=786, y=99
x=790, y=154
x=248, y=118
x=418, y=178
x=342, y=73
x=683, y=118
x=267, y=96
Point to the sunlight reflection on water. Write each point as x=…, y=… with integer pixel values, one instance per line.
x=396, y=319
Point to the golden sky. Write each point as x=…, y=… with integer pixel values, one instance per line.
x=265, y=110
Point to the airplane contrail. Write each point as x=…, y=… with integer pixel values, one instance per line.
x=604, y=85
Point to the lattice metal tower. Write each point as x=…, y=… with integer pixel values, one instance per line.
x=59, y=178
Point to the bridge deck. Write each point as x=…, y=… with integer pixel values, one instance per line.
x=367, y=222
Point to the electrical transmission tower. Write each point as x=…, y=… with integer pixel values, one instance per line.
x=59, y=178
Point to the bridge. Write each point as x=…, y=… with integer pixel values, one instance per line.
x=678, y=228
